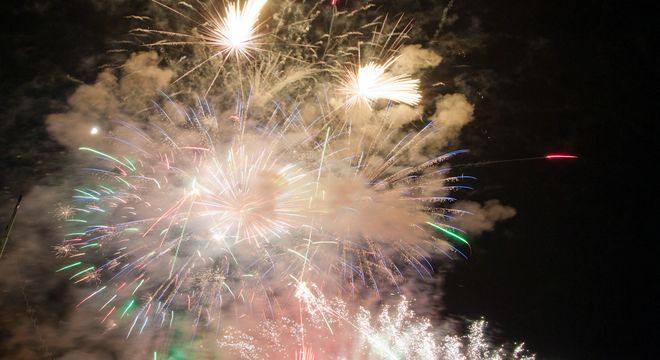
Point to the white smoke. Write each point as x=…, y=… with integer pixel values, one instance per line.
x=413, y=58
x=116, y=95
x=482, y=218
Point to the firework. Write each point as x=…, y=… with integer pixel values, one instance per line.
x=232, y=32
x=198, y=216
x=475, y=346
x=395, y=332
x=236, y=31
x=288, y=57
x=194, y=224
x=370, y=82
x=187, y=222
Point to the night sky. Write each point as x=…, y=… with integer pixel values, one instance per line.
x=573, y=274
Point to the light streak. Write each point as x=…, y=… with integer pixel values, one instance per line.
x=69, y=266
x=560, y=156
x=10, y=225
x=450, y=233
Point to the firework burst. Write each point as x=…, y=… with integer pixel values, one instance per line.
x=235, y=32
x=232, y=32
x=231, y=215
x=370, y=82
x=342, y=331
x=195, y=224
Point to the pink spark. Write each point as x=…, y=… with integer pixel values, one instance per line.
x=560, y=156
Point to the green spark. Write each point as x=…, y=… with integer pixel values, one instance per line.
x=450, y=233
x=107, y=189
x=76, y=220
x=128, y=307
x=131, y=166
x=102, y=154
x=69, y=266
x=82, y=272
x=75, y=234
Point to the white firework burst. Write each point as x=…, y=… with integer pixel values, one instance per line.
x=371, y=82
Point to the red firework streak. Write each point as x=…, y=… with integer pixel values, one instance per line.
x=492, y=162
x=333, y=2
x=560, y=156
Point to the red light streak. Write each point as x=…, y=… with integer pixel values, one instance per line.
x=560, y=156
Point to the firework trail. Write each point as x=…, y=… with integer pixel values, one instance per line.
x=224, y=215
x=10, y=225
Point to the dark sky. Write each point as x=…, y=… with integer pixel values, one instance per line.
x=574, y=273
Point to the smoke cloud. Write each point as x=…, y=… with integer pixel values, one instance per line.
x=413, y=58
x=482, y=218
x=452, y=113
x=111, y=98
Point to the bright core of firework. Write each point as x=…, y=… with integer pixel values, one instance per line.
x=370, y=83
x=235, y=32
x=250, y=197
